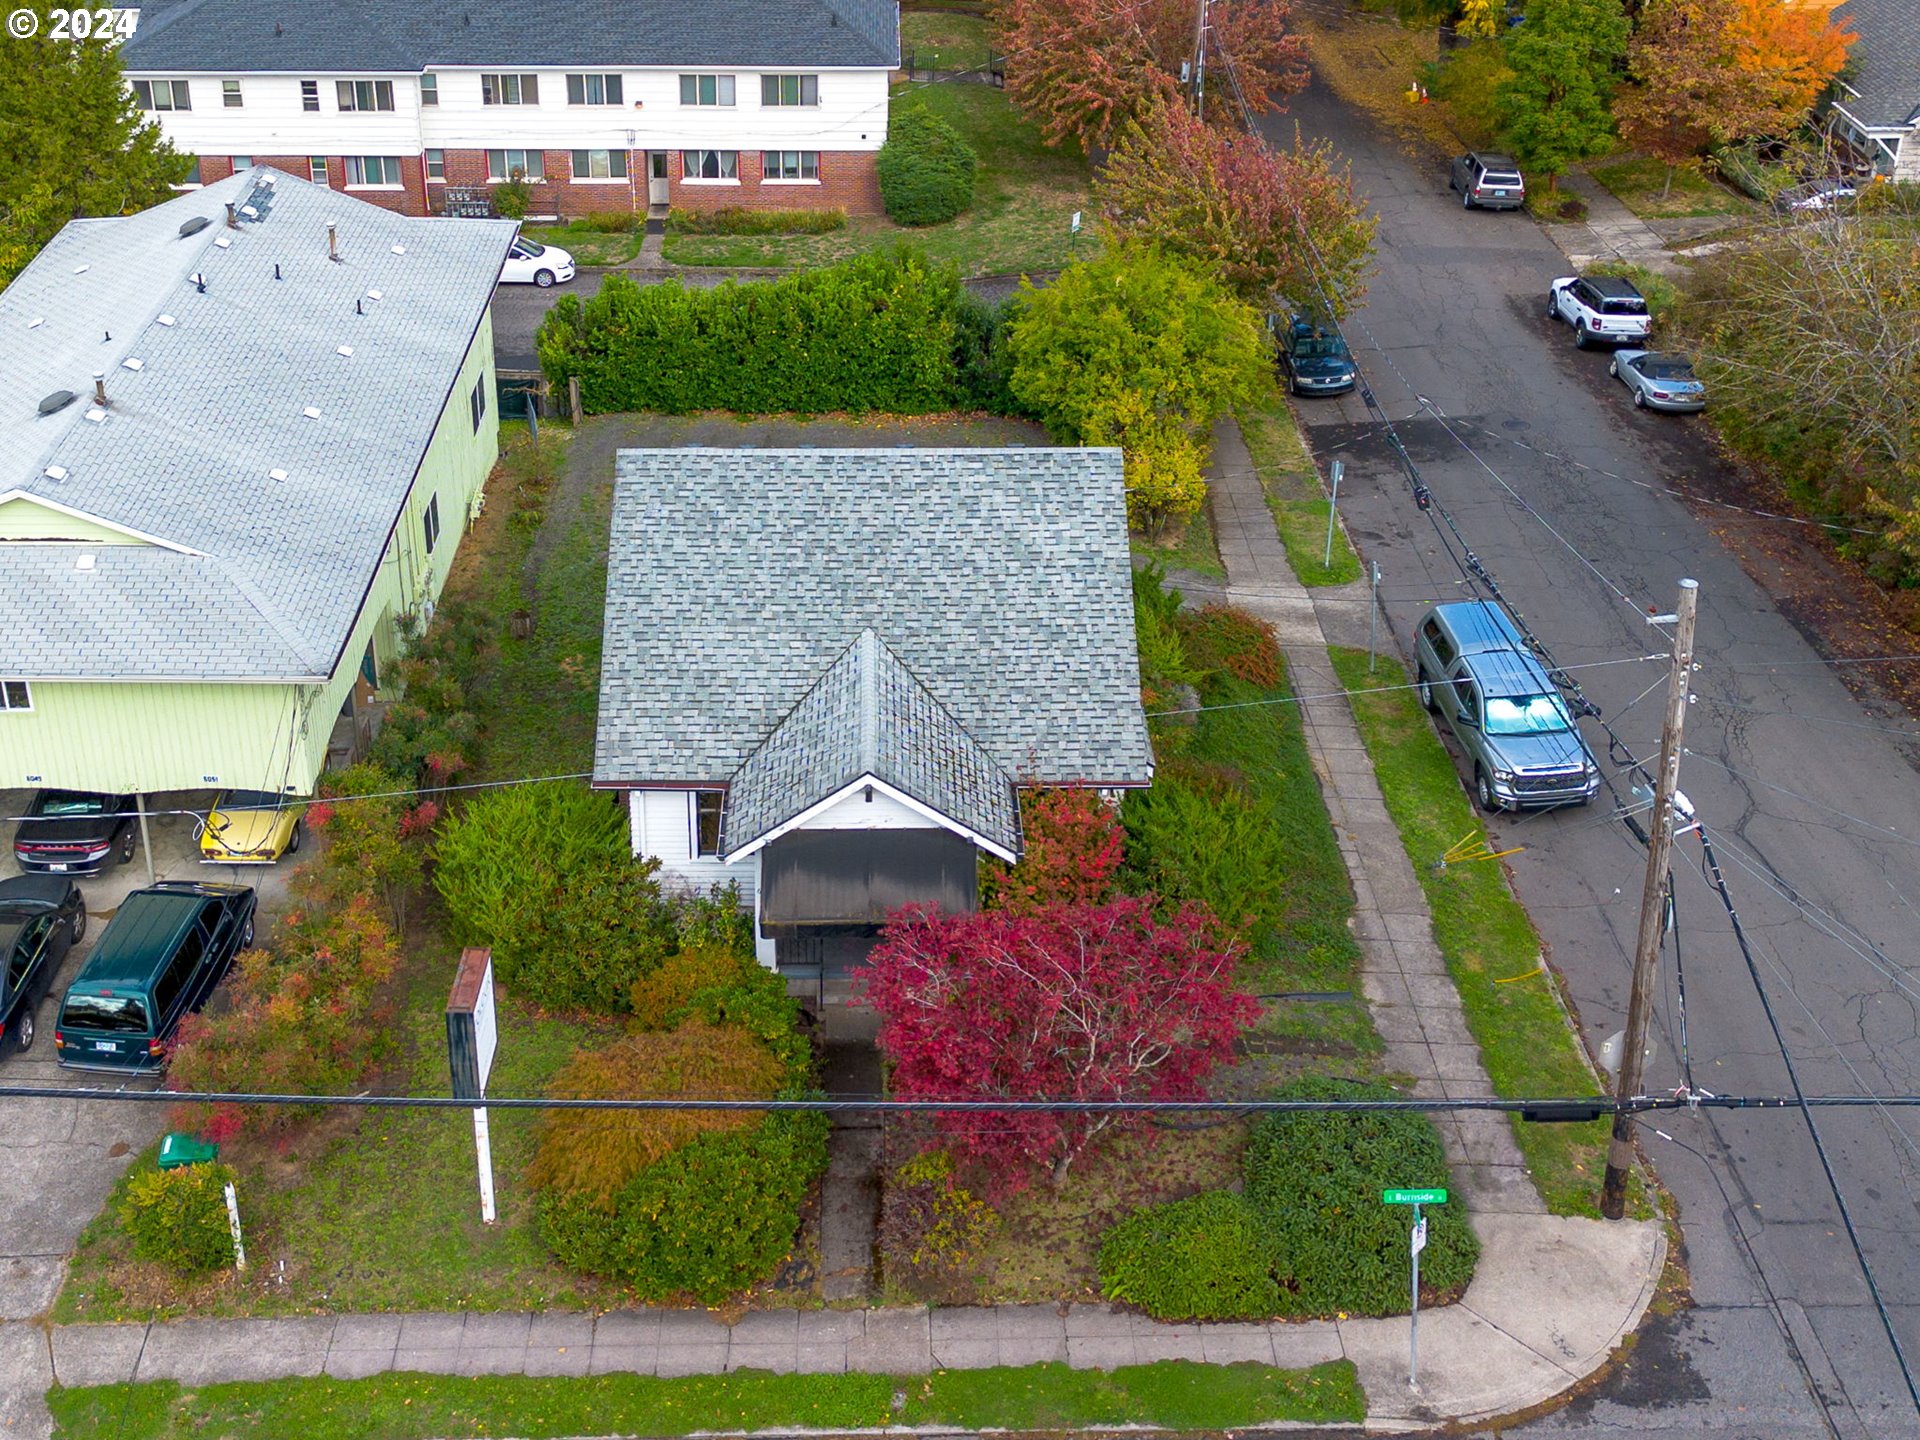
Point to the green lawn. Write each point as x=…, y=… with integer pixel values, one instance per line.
x=587, y=245
x=1184, y=545
x=1018, y=222
x=1513, y=1003
x=942, y=40
x=1294, y=493
x=1174, y=1394
x=1638, y=181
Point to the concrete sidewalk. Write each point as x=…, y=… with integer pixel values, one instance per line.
x=1551, y=1300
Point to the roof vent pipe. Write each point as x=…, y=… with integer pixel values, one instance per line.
x=233, y=223
x=100, y=388
x=333, y=241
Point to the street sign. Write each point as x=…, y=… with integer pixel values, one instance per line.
x=1413, y=1197
x=1420, y=1235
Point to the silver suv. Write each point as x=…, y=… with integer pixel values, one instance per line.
x=1477, y=673
x=1487, y=181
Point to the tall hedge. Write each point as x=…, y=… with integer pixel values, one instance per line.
x=874, y=333
x=926, y=169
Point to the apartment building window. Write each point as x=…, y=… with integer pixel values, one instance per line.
x=599, y=164
x=14, y=695
x=477, y=403
x=789, y=89
x=789, y=164
x=706, y=89
x=430, y=523
x=710, y=164
x=516, y=165
x=317, y=170
x=309, y=94
x=509, y=89
x=593, y=90
x=240, y=162
x=708, y=805
x=162, y=94
x=429, y=90
x=374, y=170
x=364, y=94
x=436, y=165
x=230, y=94
x=193, y=176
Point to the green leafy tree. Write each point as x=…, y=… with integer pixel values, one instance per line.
x=75, y=144
x=1142, y=350
x=1554, y=108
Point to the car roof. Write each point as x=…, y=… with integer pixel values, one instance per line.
x=1495, y=161
x=147, y=926
x=1614, y=286
x=1479, y=625
x=1509, y=672
x=34, y=889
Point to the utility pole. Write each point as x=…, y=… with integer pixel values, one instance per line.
x=1653, y=905
x=1200, y=62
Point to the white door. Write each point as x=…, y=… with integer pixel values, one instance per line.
x=656, y=177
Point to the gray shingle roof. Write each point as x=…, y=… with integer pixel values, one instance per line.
x=868, y=717
x=1000, y=578
x=261, y=578
x=1888, y=58
x=403, y=36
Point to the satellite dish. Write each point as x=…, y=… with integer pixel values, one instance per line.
x=1615, y=1046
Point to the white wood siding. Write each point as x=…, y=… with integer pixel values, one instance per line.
x=270, y=120
x=662, y=822
x=883, y=812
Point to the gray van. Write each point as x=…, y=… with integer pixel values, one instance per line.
x=1476, y=672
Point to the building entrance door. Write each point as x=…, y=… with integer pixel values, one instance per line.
x=656, y=177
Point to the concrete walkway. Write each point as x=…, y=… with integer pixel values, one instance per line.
x=1551, y=1300
x=1610, y=232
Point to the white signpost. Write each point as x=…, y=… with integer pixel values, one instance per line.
x=472, y=1036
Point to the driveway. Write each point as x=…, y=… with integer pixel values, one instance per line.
x=60, y=1158
x=1564, y=496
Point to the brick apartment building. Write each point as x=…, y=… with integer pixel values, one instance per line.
x=599, y=104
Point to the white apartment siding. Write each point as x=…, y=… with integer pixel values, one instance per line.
x=662, y=826
x=851, y=116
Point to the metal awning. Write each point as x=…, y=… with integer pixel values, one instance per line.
x=858, y=877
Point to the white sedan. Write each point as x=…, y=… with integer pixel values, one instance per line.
x=531, y=263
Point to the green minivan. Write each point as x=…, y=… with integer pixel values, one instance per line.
x=158, y=959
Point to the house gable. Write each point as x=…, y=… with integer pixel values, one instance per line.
x=35, y=517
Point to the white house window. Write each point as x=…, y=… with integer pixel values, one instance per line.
x=230, y=94
x=436, y=165
x=789, y=164
x=193, y=176
x=364, y=94
x=317, y=169
x=707, y=805
x=477, y=403
x=706, y=89
x=372, y=170
x=309, y=94
x=509, y=89
x=599, y=164
x=593, y=90
x=789, y=89
x=516, y=164
x=710, y=164
x=429, y=89
x=162, y=94
x=430, y=523
x=14, y=695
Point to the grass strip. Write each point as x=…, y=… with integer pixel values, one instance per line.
x=1291, y=483
x=1173, y=1393
x=1640, y=183
x=1185, y=545
x=1512, y=1001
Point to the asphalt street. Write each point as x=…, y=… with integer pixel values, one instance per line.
x=1561, y=488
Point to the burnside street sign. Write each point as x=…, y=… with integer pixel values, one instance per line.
x=1413, y=1197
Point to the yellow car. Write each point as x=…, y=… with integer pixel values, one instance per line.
x=251, y=827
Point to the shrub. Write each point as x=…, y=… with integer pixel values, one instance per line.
x=661, y=997
x=542, y=875
x=1210, y=1257
x=609, y=222
x=1207, y=844
x=1073, y=851
x=926, y=169
x=1316, y=1179
x=179, y=1217
x=931, y=1229
x=873, y=333
x=512, y=197
x=1223, y=637
x=372, y=835
x=710, y=1218
x=734, y=220
x=983, y=369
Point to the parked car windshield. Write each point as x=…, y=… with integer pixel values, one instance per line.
x=66, y=804
x=1667, y=369
x=1624, y=305
x=529, y=249
x=250, y=800
x=104, y=1012
x=1526, y=715
x=1319, y=349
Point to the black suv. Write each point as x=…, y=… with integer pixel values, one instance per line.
x=1487, y=181
x=71, y=832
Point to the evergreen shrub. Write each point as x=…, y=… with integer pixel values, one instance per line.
x=926, y=169
x=179, y=1217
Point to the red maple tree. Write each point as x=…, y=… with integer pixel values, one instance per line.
x=1081, y=68
x=1077, y=1002
x=1073, y=851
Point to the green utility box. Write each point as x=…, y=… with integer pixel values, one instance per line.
x=180, y=1148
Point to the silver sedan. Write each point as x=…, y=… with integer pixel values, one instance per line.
x=1659, y=382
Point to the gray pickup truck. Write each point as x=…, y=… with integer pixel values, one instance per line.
x=1476, y=671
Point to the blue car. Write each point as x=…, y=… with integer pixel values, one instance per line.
x=1314, y=358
